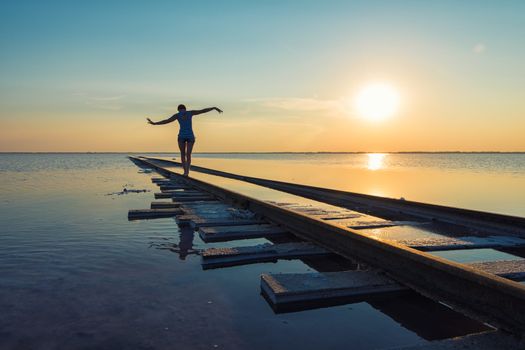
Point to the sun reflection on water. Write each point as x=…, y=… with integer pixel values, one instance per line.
x=375, y=161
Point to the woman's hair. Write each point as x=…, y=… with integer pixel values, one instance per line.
x=181, y=107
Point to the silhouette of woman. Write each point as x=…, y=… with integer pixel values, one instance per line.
x=186, y=136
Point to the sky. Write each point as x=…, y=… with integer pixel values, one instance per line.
x=80, y=76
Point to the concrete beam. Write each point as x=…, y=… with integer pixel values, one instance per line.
x=201, y=222
x=511, y=269
x=173, y=187
x=224, y=257
x=164, y=205
x=157, y=180
x=291, y=288
x=465, y=242
x=153, y=213
x=230, y=233
x=183, y=199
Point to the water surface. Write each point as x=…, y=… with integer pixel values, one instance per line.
x=74, y=273
x=490, y=182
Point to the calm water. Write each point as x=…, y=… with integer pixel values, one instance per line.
x=74, y=273
x=489, y=182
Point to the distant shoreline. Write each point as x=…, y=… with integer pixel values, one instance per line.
x=320, y=152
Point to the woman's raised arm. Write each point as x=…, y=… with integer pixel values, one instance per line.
x=165, y=121
x=206, y=110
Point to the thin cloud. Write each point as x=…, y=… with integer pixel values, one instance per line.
x=301, y=104
x=112, y=103
x=108, y=98
x=110, y=107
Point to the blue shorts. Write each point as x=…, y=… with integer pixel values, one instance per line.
x=186, y=138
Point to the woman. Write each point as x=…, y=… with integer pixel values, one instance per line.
x=186, y=137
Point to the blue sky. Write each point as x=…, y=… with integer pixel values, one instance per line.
x=88, y=61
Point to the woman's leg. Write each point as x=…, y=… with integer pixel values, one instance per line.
x=182, y=147
x=189, y=145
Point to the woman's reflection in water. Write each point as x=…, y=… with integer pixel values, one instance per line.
x=186, y=242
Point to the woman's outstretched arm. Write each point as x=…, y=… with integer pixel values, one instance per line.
x=206, y=110
x=165, y=121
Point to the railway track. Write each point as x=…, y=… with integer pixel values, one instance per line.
x=381, y=206
x=478, y=291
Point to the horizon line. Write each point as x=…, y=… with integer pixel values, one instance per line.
x=267, y=152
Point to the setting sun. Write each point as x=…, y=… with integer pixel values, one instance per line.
x=377, y=101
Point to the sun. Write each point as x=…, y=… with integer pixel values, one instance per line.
x=377, y=101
